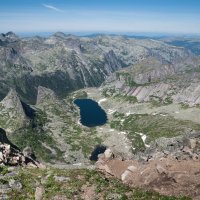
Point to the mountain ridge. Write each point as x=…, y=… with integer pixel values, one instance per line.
x=65, y=63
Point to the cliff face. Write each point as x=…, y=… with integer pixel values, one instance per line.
x=65, y=63
x=152, y=80
x=188, y=94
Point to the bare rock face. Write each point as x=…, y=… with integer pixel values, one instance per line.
x=159, y=175
x=189, y=95
x=12, y=113
x=186, y=91
x=144, y=93
x=170, y=167
x=153, y=80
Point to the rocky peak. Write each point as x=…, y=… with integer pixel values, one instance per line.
x=12, y=101
x=8, y=36
x=12, y=113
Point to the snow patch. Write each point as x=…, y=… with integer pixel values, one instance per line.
x=77, y=164
x=163, y=115
x=128, y=113
x=102, y=100
x=143, y=137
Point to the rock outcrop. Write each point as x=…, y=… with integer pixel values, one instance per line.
x=168, y=166
x=13, y=157
x=189, y=95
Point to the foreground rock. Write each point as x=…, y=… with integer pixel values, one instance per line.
x=174, y=171
x=13, y=157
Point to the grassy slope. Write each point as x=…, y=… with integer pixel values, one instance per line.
x=79, y=181
x=154, y=126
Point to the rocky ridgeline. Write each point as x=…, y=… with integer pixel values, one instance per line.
x=169, y=166
x=65, y=63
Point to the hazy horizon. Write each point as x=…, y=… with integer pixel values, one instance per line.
x=91, y=33
x=122, y=16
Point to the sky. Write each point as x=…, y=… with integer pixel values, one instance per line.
x=145, y=16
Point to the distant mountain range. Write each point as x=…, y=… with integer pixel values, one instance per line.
x=65, y=63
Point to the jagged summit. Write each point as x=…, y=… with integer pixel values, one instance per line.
x=8, y=35
x=12, y=100
x=12, y=113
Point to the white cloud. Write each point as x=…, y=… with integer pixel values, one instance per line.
x=52, y=7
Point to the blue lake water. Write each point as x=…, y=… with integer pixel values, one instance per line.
x=91, y=113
